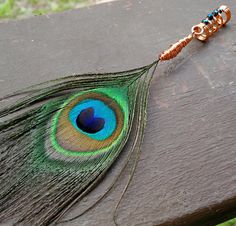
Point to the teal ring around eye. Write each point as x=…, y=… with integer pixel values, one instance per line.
x=101, y=110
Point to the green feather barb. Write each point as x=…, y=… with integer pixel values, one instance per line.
x=58, y=141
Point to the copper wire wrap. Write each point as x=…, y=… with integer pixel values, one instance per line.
x=202, y=31
x=176, y=48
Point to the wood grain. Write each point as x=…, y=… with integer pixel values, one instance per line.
x=187, y=171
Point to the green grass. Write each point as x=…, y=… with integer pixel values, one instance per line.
x=25, y=8
x=229, y=223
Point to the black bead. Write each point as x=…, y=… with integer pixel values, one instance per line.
x=210, y=16
x=205, y=21
x=215, y=12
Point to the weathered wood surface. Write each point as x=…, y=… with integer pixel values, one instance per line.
x=187, y=171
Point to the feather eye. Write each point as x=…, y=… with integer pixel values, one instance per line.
x=58, y=141
x=91, y=122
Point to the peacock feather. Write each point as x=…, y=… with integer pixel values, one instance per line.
x=58, y=141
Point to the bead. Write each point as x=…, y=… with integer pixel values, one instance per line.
x=205, y=21
x=210, y=16
x=215, y=12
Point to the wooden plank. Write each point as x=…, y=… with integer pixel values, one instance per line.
x=186, y=175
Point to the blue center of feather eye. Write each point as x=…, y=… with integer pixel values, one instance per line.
x=88, y=123
x=93, y=118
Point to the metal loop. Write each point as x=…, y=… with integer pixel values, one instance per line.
x=212, y=23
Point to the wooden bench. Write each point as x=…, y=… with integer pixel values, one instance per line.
x=187, y=171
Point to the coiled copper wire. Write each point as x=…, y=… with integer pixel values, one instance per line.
x=202, y=31
x=176, y=48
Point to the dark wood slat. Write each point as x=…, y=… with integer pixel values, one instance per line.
x=186, y=175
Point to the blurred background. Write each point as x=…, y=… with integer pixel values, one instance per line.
x=26, y=8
